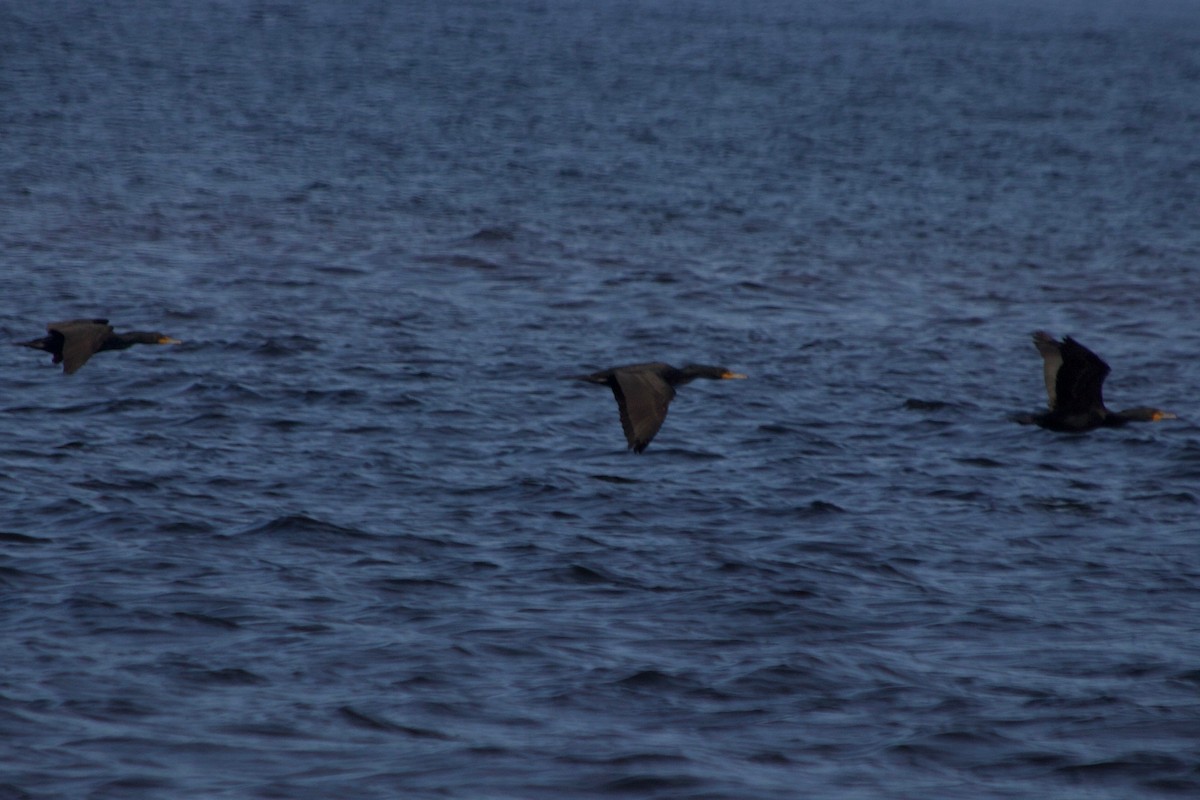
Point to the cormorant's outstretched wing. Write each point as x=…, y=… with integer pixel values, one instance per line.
x=1048, y=346
x=1080, y=379
x=82, y=338
x=642, y=397
x=72, y=323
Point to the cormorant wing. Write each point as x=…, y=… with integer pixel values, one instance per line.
x=642, y=397
x=1080, y=379
x=72, y=322
x=82, y=338
x=1048, y=346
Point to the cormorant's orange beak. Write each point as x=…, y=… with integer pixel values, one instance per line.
x=168, y=340
x=1158, y=415
x=730, y=375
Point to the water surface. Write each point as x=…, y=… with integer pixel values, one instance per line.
x=359, y=537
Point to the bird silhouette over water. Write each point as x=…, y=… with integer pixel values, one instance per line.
x=73, y=342
x=644, y=391
x=1074, y=382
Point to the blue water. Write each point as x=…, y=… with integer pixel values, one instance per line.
x=358, y=537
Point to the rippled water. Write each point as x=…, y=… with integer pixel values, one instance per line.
x=358, y=536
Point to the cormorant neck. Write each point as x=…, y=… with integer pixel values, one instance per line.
x=693, y=371
x=1144, y=414
x=120, y=341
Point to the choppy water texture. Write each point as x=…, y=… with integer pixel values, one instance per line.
x=358, y=537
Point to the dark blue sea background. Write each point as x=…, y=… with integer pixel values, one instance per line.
x=360, y=537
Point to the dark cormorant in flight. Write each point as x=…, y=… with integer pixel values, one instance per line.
x=644, y=391
x=73, y=342
x=1074, y=379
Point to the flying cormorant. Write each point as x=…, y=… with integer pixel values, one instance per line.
x=644, y=391
x=73, y=342
x=1074, y=380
